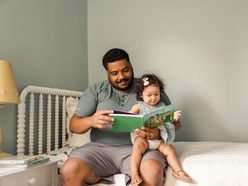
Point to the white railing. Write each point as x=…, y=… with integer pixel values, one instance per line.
x=43, y=92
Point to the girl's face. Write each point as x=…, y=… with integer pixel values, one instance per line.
x=151, y=95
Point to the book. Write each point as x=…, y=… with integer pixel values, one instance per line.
x=128, y=122
x=22, y=161
x=19, y=159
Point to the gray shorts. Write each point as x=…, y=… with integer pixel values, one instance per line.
x=108, y=160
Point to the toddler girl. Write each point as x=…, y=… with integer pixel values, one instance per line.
x=148, y=91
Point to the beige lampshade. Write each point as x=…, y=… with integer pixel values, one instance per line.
x=8, y=89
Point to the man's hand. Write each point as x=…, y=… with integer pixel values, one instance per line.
x=101, y=119
x=148, y=133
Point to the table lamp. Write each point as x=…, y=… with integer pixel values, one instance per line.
x=8, y=91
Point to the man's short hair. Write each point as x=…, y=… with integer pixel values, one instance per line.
x=113, y=55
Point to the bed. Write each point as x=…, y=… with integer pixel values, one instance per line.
x=42, y=128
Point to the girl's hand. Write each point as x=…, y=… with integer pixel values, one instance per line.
x=148, y=133
x=176, y=115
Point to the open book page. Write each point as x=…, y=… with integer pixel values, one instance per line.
x=159, y=117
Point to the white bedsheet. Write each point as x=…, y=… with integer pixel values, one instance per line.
x=212, y=163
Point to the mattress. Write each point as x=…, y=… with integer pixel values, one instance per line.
x=212, y=163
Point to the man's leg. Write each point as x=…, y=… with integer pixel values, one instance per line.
x=151, y=172
x=77, y=173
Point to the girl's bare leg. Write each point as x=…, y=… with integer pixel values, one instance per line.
x=173, y=162
x=139, y=147
x=169, y=151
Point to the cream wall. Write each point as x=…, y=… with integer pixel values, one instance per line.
x=198, y=47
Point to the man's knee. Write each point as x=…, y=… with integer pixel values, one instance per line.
x=77, y=171
x=69, y=170
x=152, y=165
x=152, y=172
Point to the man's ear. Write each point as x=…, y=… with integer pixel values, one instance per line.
x=107, y=72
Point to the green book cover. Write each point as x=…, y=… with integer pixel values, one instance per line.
x=127, y=122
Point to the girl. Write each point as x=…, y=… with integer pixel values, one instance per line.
x=148, y=91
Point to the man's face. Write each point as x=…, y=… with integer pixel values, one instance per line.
x=120, y=75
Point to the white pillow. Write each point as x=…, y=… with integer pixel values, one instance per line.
x=74, y=140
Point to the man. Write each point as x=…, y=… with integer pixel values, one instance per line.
x=109, y=152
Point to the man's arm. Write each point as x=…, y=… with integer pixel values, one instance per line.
x=100, y=119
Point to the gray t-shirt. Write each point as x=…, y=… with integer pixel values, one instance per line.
x=102, y=96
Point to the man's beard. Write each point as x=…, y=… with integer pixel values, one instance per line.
x=125, y=79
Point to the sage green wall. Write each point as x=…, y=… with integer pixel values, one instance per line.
x=198, y=47
x=46, y=43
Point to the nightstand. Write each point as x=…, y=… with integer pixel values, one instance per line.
x=45, y=174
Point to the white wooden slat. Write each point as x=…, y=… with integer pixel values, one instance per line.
x=31, y=124
x=56, y=132
x=21, y=128
x=64, y=121
x=49, y=122
x=40, y=125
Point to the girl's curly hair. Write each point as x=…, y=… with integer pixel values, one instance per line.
x=152, y=79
